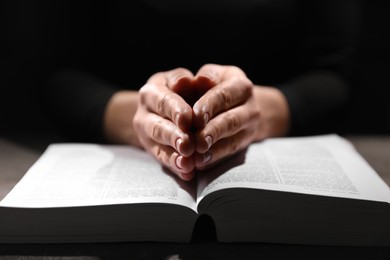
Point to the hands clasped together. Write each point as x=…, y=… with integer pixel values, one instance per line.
x=189, y=122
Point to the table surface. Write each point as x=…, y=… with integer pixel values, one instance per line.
x=17, y=156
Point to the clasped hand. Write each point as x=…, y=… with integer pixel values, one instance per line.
x=190, y=122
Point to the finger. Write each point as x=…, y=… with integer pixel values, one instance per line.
x=222, y=97
x=208, y=76
x=165, y=132
x=162, y=101
x=180, y=165
x=179, y=81
x=224, y=148
x=225, y=125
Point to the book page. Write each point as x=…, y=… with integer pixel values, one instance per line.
x=91, y=174
x=323, y=165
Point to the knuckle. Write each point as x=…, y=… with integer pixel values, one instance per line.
x=172, y=160
x=157, y=130
x=235, y=80
x=207, y=66
x=217, y=131
x=248, y=88
x=225, y=97
x=144, y=92
x=237, y=70
x=252, y=133
x=233, y=146
x=256, y=115
x=244, y=82
x=159, y=154
x=156, y=75
x=233, y=122
x=234, y=68
x=137, y=121
x=180, y=71
x=162, y=155
x=162, y=103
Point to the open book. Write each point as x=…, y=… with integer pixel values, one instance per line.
x=300, y=190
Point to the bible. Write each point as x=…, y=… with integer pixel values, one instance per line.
x=313, y=190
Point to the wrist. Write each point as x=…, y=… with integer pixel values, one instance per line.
x=118, y=118
x=275, y=120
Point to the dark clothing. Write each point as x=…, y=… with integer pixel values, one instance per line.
x=303, y=47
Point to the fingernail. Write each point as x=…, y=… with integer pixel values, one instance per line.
x=178, y=161
x=209, y=141
x=206, y=157
x=179, y=141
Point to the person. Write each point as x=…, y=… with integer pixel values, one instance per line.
x=193, y=85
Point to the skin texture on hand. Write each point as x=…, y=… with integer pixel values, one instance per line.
x=191, y=122
x=163, y=121
x=234, y=113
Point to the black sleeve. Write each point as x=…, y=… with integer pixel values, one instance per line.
x=75, y=89
x=323, y=53
x=77, y=102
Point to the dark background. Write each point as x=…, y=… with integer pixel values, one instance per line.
x=370, y=107
x=23, y=58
